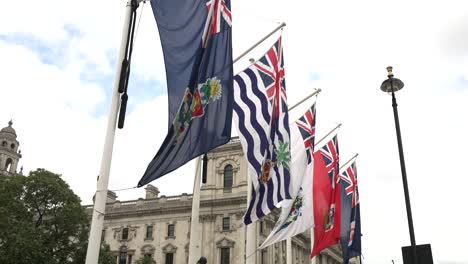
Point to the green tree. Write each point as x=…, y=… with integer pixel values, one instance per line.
x=41, y=220
x=145, y=260
x=105, y=255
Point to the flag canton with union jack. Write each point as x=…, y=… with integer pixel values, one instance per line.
x=271, y=71
x=306, y=125
x=219, y=15
x=349, y=182
x=330, y=154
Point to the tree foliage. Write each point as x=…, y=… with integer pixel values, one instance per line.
x=41, y=220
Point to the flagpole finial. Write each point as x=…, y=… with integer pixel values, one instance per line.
x=252, y=60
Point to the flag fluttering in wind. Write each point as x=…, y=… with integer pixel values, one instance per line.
x=261, y=115
x=326, y=196
x=350, y=239
x=197, y=46
x=297, y=214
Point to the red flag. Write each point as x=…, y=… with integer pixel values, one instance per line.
x=326, y=196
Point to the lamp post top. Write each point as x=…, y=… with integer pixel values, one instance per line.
x=391, y=84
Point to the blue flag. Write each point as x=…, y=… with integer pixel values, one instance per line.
x=197, y=47
x=350, y=235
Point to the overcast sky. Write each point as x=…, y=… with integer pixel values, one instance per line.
x=57, y=69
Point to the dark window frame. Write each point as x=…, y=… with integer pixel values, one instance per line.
x=228, y=176
x=226, y=223
x=149, y=232
x=125, y=233
x=123, y=257
x=169, y=258
x=171, y=230
x=225, y=255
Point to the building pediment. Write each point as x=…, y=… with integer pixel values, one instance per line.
x=225, y=243
x=169, y=248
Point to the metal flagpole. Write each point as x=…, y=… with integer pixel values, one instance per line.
x=349, y=161
x=194, y=245
x=259, y=42
x=316, y=92
x=97, y=222
x=329, y=133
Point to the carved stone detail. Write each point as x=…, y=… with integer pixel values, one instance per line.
x=225, y=243
x=169, y=248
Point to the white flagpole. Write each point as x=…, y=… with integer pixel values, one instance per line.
x=312, y=260
x=97, y=222
x=289, y=257
x=195, y=241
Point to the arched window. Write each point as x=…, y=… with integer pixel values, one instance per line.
x=13, y=146
x=8, y=164
x=227, y=176
x=4, y=143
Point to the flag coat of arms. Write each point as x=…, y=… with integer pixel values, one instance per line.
x=197, y=47
x=261, y=116
x=296, y=214
x=350, y=238
x=326, y=195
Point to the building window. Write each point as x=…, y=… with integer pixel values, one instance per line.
x=171, y=230
x=149, y=232
x=12, y=146
x=225, y=257
x=123, y=257
x=8, y=164
x=125, y=233
x=262, y=227
x=228, y=176
x=226, y=223
x=4, y=143
x=169, y=258
x=130, y=259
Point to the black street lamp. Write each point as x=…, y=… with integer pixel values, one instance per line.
x=391, y=85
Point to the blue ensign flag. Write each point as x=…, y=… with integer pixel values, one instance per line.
x=197, y=47
x=350, y=235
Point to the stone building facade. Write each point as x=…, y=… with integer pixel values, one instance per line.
x=9, y=152
x=159, y=226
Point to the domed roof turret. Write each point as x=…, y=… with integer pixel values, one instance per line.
x=8, y=132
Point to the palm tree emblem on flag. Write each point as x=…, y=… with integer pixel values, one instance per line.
x=283, y=155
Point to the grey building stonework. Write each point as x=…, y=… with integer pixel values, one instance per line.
x=159, y=226
x=9, y=152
